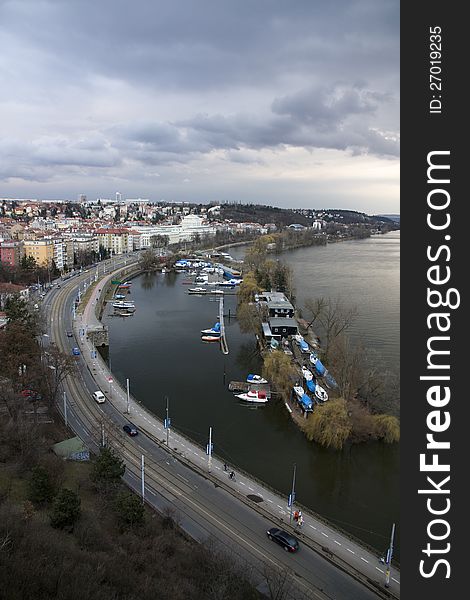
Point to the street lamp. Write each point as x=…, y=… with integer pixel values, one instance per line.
x=292, y=494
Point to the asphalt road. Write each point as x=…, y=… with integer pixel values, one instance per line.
x=207, y=505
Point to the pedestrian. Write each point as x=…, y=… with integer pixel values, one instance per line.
x=232, y=475
x=225, y=466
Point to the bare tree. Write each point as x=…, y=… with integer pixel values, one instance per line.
x=333, y=316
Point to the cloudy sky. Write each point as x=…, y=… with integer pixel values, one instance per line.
x=289, y=103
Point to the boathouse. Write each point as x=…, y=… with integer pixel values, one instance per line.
x=283, y=326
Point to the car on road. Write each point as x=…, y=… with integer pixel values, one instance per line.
x=99, y=397
x=130, y=429
x=76, y=351
x=284, y=539
x=69, y=334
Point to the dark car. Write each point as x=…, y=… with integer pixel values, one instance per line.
x=284, y=539
x=130, y=429
x=76, y=351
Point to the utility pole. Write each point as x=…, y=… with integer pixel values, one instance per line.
x=167, y=424
x=292, y=495
x=389, y=557
x=65, y=409
x=127, y=408
x=102, y=435
x=142, y=469
x=209, y=449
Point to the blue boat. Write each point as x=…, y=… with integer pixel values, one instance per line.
x=304, y=346
x=311, y=385
x=319, y=368
x=330, y=381
x=306, y=402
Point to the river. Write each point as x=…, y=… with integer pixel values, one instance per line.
x=160, y=351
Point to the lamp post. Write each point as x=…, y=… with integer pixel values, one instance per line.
x=389, y=557
x=292, y=494
x=127, y=407
x=167, y=424
x=209, y=449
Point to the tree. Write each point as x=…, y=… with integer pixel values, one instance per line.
x=65, y=510
x=330, y=424
x=59, y=366
x=148, y=260
x=333, y=317
x=129, y=509
x=107, y=467
x=280, y=371
x=248, y=288
x=41, y=489
x=248, y=318
x=387, y=428
x=18, y=311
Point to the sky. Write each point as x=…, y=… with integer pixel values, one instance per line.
x=287, y=103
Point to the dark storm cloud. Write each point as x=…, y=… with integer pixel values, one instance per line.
x=248, y=76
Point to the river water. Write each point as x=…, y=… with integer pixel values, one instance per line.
x=160, y=351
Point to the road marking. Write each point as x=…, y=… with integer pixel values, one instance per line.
x=269, y=500
x=350, y=551
x=280, y=507
x=250, y=488
x=181, y=477
x=324, y=534
x=337, y=542
x=396, y=580
x=364, y=559
x=243, y=483
x=313, y=527
x=379, y=569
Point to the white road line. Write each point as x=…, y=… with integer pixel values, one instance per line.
x=241, y=482
x=250, y=488
x=364, y=559
x=313, y=527
x=396, y=580
x=379, y=569
x=269, y=500
x=350, y=551
x=337, y=542
x=280, y=507
x=324, y=534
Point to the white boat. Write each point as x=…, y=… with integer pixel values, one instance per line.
x=308, y=376
x=299, y=390
x=253, y=396
x=214, y=330
x=210, y=338
x=313, y=358
x=298, y=338
x=196, y=290
x=255, y=379
x=320, y=393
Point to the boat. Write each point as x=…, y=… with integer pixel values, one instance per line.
x=320, y=393
x=196, y=290
x=311, y=385
x=274, y=344
x=298, y=338
x=330, y=380
x=119, y=296
x=251, y=378
x=307, y=374
x=216, y=292
x=319, y=368
x=215, y=330
x=306, y=402
x=124, y=286
x=253, y=396
x=126, y=305
x=313, y=358
x=299, y=391
x=304, y=347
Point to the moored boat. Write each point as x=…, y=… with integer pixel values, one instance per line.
x=251, y=378
x=253, y=396
x=210, y=338
x=308, y=376
x=196, y=290
x=215, y=330
x=320, y=393
x=299, y=391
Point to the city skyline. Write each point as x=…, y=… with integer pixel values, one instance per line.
x=294, y=106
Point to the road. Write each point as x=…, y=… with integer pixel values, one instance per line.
x=206, y=503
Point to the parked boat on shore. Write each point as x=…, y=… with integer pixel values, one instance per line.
x=308, y=376
x=299, y=391
x=320, y=393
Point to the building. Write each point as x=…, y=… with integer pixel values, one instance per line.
x=11, y=253
x=42, y=251
x=283, y=326
x=115, y=239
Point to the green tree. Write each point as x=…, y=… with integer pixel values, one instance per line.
x=387, y=428
x=280, y=371
x=17, y=311
x=41, y=489
x=129, y=509
x=148, y=259
x=248, y=288
x=107, y=467
x=330, y=424
x=65, y=510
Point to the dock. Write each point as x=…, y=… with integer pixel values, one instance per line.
x=223, y=339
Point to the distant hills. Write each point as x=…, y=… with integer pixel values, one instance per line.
x=395, y=218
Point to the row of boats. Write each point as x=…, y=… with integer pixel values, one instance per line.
x=122, y=306
x=255, y=396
